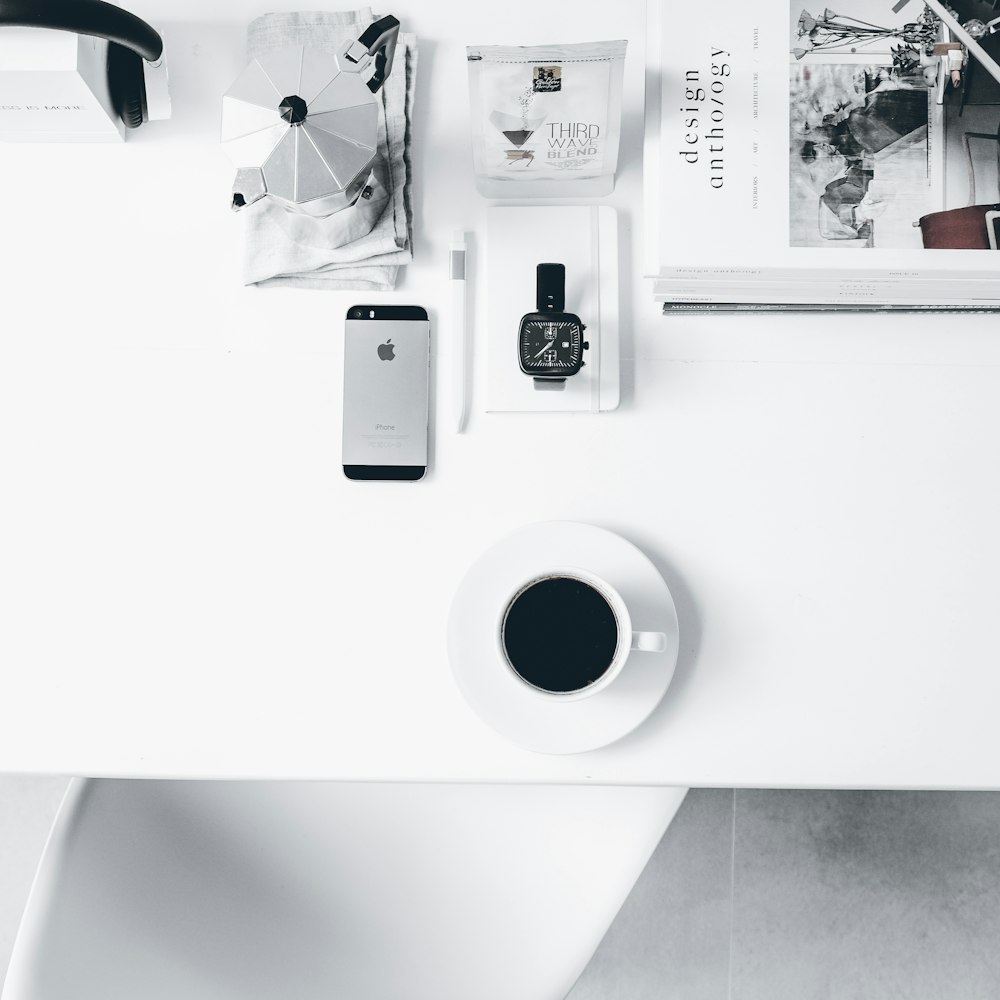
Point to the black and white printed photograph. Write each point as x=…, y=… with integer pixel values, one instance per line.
x=860, y=155
x=877, y=158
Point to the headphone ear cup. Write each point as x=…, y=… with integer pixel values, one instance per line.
x=128, y=84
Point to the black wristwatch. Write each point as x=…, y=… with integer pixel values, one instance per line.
x=550, y=342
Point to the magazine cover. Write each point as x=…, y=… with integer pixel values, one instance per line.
x=826, y=154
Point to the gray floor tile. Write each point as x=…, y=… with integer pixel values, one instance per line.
x=671, y=939
x=27, y=808
x=866, y=895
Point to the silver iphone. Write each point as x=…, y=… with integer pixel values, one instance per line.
x=386, y=373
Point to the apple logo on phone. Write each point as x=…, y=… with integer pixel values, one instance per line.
x=386, y=351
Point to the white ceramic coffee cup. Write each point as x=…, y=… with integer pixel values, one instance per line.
x=629, y=640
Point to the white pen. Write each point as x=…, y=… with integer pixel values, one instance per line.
x=459, y=329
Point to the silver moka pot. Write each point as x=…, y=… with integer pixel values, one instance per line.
x=301, y=124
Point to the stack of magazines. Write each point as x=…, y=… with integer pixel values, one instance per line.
x=818, y=159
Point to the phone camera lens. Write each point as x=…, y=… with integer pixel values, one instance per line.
x=358, y=314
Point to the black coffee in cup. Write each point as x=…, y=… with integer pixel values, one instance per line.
x=560, y=634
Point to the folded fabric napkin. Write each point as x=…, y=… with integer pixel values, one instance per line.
x=361, y=246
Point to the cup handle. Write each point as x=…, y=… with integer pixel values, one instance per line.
x=649, y=642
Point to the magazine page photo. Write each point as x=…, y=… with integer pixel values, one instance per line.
x=888, y=147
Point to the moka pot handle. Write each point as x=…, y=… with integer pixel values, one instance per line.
x=378, y=42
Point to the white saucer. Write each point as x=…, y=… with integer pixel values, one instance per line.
x=542, y=722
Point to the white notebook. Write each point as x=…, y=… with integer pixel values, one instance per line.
x=585, y=239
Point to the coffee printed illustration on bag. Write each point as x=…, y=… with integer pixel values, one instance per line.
x=546, y=113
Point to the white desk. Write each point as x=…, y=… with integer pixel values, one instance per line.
x=189, y=586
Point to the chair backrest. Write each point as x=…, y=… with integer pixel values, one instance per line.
x=958, y=228
x=204, y=890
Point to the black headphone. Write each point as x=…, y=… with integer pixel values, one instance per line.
x=130, y=40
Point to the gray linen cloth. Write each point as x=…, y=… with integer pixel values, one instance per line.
x=361, y=246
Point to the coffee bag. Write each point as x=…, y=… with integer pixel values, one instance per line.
x=546, y=120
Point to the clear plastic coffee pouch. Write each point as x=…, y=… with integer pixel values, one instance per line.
x=546, y=119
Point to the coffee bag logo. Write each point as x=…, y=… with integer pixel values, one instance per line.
x=546, y=79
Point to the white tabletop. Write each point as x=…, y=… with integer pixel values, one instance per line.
x=189, y=586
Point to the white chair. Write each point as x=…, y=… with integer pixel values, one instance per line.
x=187, y=890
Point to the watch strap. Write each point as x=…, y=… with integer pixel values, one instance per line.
x=550, y=287
x=549, y=384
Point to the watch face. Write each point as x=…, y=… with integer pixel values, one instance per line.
x=550, y=345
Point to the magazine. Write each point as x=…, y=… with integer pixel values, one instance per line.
x=808, y=157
